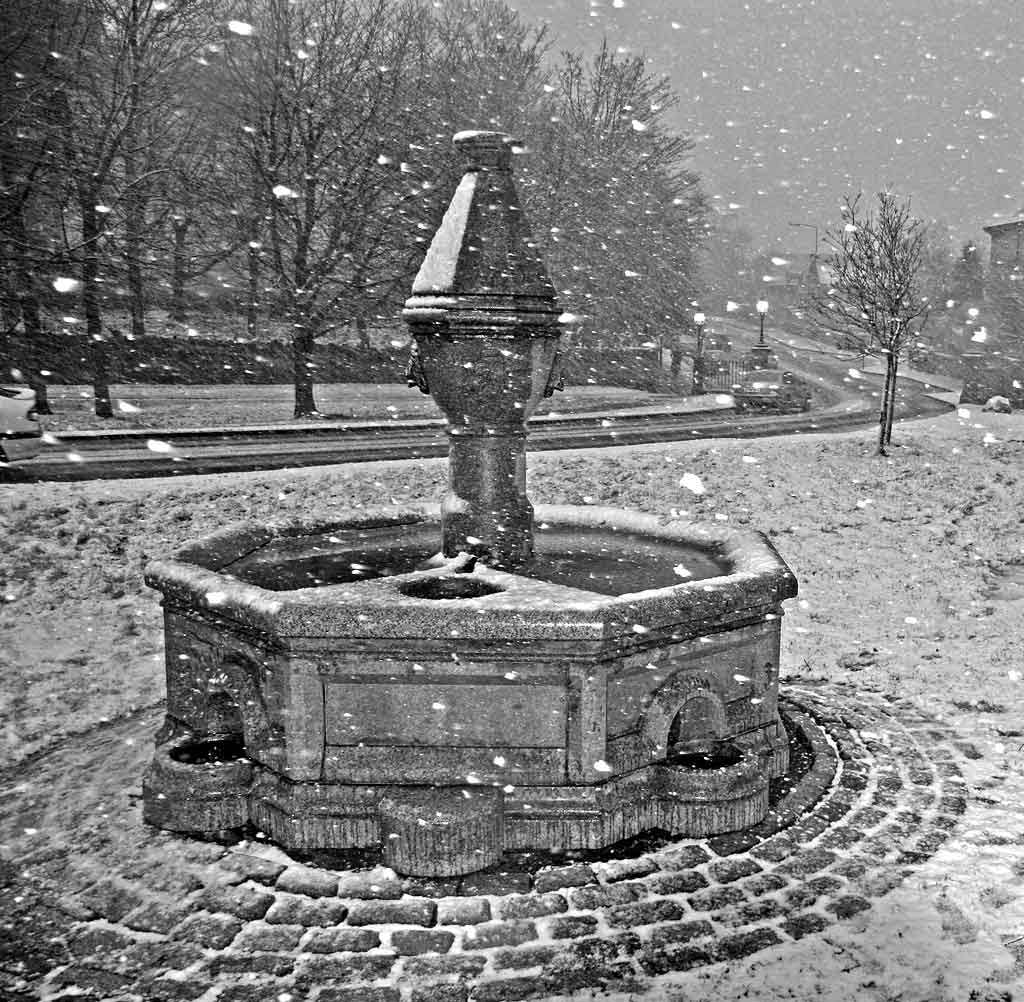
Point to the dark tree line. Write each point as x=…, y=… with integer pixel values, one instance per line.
x=302, y=147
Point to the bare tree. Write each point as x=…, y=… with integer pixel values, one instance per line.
x=111, y=76
x=30, y=181
x=876, y=298
x=320, y=91
x=613, y=198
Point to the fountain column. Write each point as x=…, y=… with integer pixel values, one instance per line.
x=485, y=328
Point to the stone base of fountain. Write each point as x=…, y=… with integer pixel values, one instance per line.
x=359, y=691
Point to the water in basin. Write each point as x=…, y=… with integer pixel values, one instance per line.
x=592, y=559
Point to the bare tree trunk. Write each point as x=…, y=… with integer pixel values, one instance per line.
x=302, y=352
x=135, y=208
x=894, y=362
x=179, y=266
x=364, y=334
x=91, y=303
x=253, y=302
x=883, y=415
x=34, y=331
x=135, y=223
x=28, y=305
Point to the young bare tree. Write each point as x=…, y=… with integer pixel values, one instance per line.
x=876, y=298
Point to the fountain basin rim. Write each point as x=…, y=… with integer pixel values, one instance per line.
x=198, y=577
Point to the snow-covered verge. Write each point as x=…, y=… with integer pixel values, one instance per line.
x=154, y=405
x=912, y=584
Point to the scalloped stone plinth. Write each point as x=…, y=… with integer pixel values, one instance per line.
x=443, y=831
x=361, y=672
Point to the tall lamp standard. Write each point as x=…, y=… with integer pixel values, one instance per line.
x=761, y=351
x=698, y=364
x=762, y=309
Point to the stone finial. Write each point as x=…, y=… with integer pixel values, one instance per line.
x=483, y=270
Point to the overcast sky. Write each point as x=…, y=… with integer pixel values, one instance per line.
x=795, y=103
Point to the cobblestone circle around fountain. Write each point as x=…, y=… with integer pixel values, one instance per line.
x=183, y=920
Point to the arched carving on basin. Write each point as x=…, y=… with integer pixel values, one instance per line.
x=224, y=715
x=698, y=724
x=243, y=684
x=234, y=703
x=683, y=699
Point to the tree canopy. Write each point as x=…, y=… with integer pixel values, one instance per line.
x=303, y=147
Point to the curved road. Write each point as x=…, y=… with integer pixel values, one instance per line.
x=842, y=401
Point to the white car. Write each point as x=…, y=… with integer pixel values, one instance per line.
x=20, y=434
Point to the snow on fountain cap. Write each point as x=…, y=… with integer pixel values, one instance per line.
x=483, y=271
x=486, y=149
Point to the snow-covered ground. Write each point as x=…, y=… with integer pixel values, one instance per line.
x=156, y=405
x=911, y=573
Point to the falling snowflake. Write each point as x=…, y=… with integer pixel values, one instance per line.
x=283, y=191
x=240, y=28
x=67, y=284
x=692, y=483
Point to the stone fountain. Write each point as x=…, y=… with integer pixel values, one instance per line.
x=451, y=683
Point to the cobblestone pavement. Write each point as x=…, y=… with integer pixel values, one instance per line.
x=96, y=905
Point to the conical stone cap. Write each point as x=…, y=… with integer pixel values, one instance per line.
x=483, y=271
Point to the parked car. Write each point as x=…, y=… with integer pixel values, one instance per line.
x=20, y=434
x=785, y=396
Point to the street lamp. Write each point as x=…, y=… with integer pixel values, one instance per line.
x=761, y=354
x=698, y=374
x=762, y=309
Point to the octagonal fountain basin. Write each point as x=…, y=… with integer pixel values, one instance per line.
x=625, y=680
x=604, y=558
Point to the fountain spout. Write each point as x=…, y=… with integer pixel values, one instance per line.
x=485, y=328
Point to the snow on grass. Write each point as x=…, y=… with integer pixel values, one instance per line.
x=910, y=572
x=903, y=592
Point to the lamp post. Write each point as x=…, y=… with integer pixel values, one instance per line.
x=698, y=372
x=761, y=351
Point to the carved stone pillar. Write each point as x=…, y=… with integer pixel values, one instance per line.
x=485, y=326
